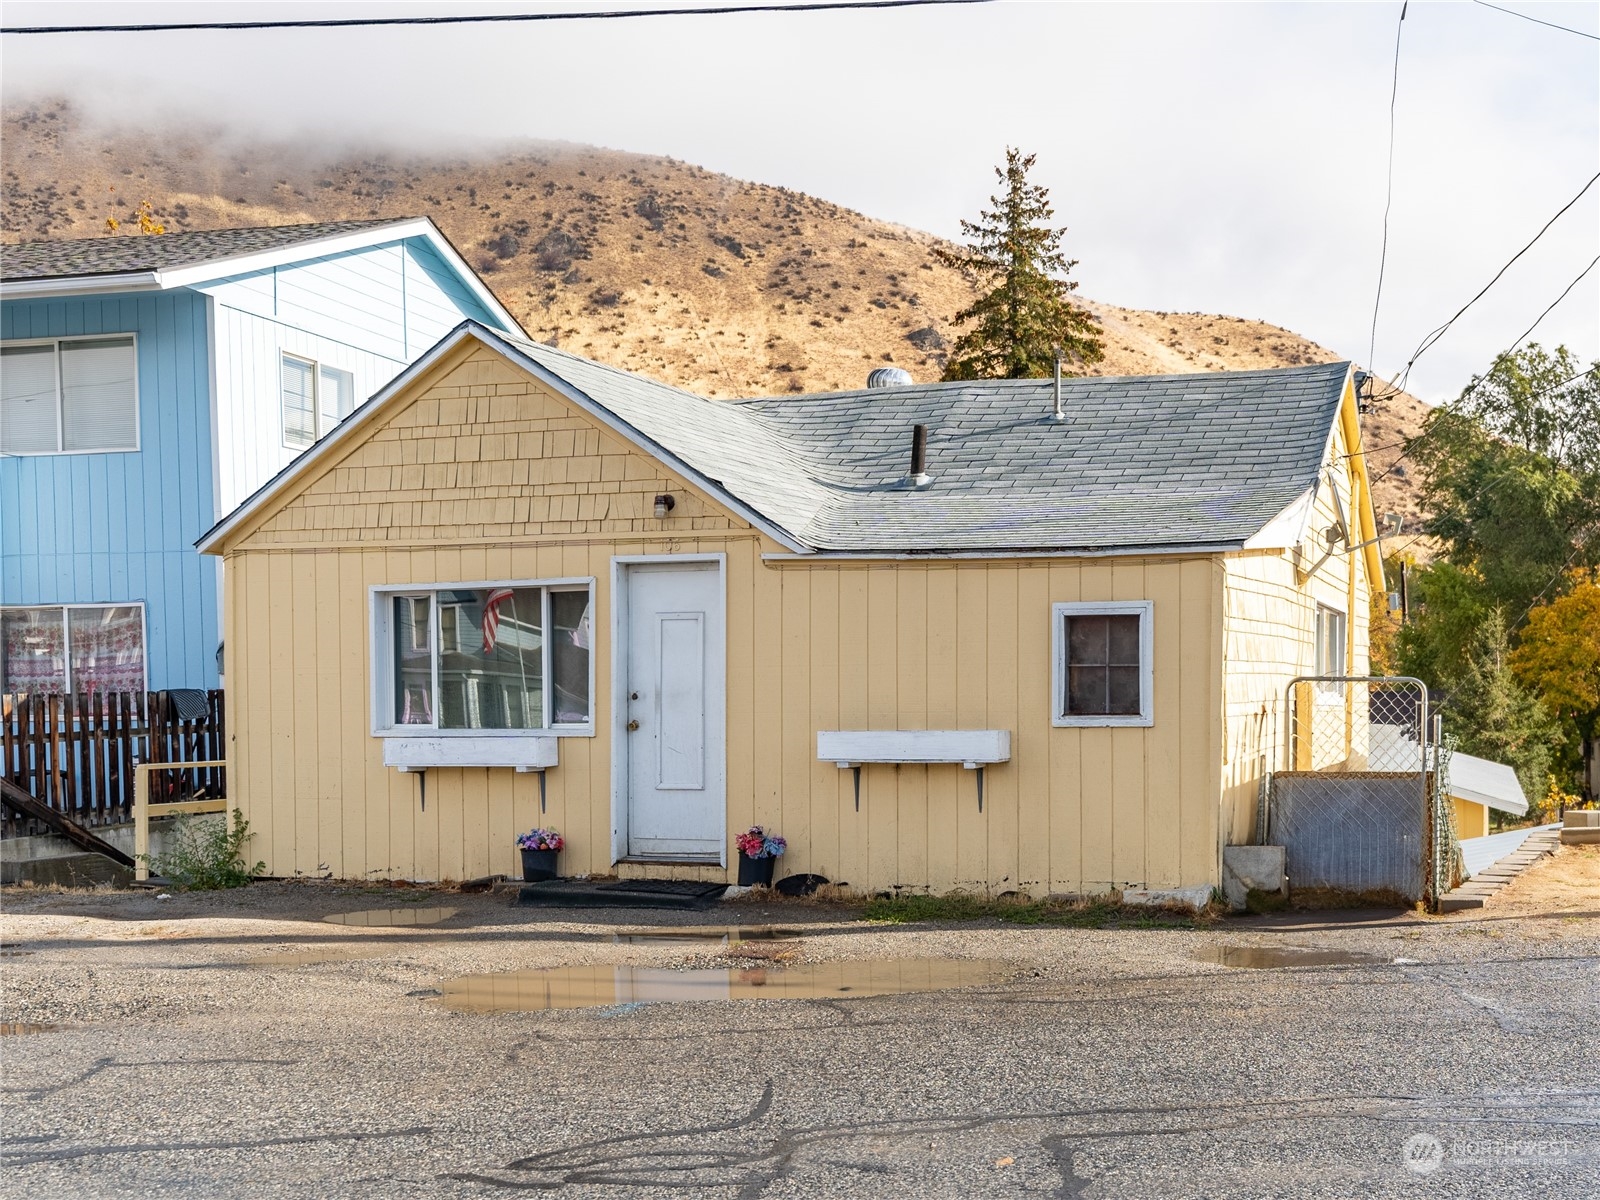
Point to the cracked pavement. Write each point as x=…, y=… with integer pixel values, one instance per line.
x=237, y=1045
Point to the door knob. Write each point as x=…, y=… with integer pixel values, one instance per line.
x=632, y=725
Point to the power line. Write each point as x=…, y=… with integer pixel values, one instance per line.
x=486, y=18
x=1511, y=12
x=1388, y=192
x=1555, y=302
x=1433, y=338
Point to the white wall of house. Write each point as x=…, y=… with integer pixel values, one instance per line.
x=369, y=312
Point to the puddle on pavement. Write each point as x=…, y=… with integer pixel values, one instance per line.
x=22, y=1028
x=310, y=957
x=375, y=918
x=1261, y=957
x=603, y=985
x=722, y=934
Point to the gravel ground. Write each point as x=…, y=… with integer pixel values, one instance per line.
x=1106, y=1063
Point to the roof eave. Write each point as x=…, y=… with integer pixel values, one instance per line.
x=80, y=285
x=1013, y=552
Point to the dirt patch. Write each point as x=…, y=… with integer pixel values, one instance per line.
x=1567, y=882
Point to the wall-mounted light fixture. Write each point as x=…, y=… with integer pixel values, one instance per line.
x=664, y=505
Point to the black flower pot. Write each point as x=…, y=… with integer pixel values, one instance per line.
x=540, y=864
x=755, y=872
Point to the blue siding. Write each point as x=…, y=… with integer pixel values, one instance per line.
x=120, y=528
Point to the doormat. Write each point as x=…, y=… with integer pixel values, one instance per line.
x=619, y=893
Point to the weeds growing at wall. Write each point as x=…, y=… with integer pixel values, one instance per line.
x=206, y=856
x=1096, y=912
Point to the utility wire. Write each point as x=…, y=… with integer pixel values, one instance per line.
x=1433, y=338
x=486, y=18
x=1556, y=301
x=1388, y=192
x=1511, y=12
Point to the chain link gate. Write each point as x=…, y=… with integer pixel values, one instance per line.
x=1358, y=805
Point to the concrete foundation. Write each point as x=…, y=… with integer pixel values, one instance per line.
x=51, y=858
x=1581, y=827
x=1252, y=868
x=1193, y=898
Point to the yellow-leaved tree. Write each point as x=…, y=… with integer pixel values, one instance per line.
x=1558, y=659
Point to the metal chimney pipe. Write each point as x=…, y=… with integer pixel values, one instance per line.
x=919, y=456
x=1060, y=413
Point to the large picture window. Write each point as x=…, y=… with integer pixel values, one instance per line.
x=316, y=397
x=76, y=648
x=1103, y=671
x=512, y=656
x=69, y=396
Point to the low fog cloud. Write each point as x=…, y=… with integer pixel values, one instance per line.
x=1224, y=158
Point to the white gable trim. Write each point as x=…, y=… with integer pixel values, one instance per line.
x=353, y=426
x=264, y=260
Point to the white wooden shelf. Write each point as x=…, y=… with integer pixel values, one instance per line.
x=974, y=749
x=421, y=753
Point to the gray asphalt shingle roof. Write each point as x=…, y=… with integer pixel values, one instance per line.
x=1141, y=461
x=163, y=252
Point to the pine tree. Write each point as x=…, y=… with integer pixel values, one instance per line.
x=1495, y=717
x=1023, y=317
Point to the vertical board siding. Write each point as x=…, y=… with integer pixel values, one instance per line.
x=463, y=479
x=119, y=528
x=369, y=311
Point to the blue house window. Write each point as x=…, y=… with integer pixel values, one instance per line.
x=315, y=399
x=69, y=396
x=89, y=648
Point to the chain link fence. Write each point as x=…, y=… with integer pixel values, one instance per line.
x=1359, y=805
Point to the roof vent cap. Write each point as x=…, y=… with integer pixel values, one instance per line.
x=889, y=377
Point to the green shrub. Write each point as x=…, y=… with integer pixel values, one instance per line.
x=206, y=857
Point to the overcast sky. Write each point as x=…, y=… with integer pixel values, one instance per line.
x=1225, y=158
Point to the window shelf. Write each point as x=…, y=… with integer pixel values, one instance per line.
x=530, y=753
x=972, y=748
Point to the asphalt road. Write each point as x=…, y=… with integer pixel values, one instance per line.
x=1112, y=1063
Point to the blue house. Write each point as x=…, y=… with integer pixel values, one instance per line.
x=148, y=384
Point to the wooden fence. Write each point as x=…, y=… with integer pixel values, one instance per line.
x=76, y=754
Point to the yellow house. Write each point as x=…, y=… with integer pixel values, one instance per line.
x=1008, y=635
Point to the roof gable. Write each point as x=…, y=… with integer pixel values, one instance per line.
x=1175, y=462
x=171, y=260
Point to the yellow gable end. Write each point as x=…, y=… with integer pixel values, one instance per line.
x=482, y=450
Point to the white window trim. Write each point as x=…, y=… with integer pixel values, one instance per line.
x=381, y=682
x=8, y=343
x=66, y=631
x=317, y=368
x=1329, y=694
x=1145, y=611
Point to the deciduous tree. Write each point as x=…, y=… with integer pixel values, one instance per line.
x=1558, y=659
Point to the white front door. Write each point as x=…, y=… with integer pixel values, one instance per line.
x=673, y=710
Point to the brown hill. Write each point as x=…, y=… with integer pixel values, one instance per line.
x=712, y=283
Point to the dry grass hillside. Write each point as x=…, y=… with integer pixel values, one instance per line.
x=712, y=283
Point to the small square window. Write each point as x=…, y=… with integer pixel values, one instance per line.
x=1102, y=663
x=316, y=397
